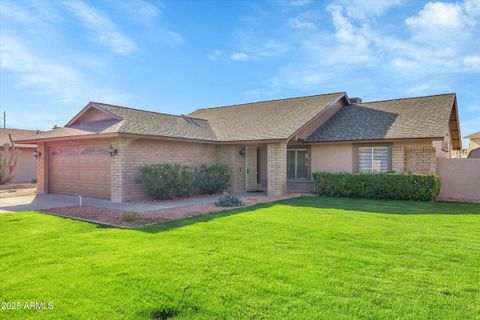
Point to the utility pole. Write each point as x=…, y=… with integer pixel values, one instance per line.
x=4, y=119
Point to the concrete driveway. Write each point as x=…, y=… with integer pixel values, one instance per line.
x=39, y=202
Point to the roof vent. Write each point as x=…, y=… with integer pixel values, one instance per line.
x=356, y=100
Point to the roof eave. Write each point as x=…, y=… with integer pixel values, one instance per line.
x=71, y=137
x=457, y=124
x=332, y=103
x=373, y=140
x=87, y=107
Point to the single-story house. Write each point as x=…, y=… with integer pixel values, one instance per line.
x=272, y=146
x=474, y=145
x=26, y=167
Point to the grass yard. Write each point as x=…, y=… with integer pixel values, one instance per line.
x=307, y=258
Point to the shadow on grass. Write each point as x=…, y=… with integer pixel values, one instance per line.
x=203, y=218
x=350, y=204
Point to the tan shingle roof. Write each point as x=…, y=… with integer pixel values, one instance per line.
x=16, y=134
x=276, y=119
x=134, y=121
x=56, y=133
x=143, y=122
x=475, y=135
x=421, y=117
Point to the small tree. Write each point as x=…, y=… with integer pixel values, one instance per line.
x=8, y=161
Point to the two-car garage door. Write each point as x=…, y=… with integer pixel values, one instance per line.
x=79, y=170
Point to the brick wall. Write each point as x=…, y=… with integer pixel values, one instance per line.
x=417, y=159
x=230, y=155
x=276, y=168
x=42, y=169
x=398, y=159
x=133, y=153
x=420, y=160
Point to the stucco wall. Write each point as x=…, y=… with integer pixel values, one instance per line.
x=415, y=156
x=332, y=157
x=26, y=168
x=133, y=153
x=460, y=179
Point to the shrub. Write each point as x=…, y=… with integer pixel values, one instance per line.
x=397, y=186
x=166, y=181
x=169, y=181
x=130, y=216
x=211, y=179
x=229, y=200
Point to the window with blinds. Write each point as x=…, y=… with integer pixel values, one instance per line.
x=373, y=159
x=297, y=164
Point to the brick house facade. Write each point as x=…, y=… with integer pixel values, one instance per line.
x=273, y=146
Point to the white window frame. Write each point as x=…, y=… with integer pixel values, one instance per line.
x=372, y=148
x=296, y=159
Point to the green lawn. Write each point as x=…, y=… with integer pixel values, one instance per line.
x=308, y=258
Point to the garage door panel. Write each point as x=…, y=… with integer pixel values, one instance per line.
x=80, y=170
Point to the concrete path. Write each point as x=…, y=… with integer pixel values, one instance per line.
x=38, y=202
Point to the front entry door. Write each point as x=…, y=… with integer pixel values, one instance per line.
x=251, y=168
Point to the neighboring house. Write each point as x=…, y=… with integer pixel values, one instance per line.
x=26, y=168
x=474, y=146
x=272, y=146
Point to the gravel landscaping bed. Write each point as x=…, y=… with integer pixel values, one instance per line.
x=128, y=219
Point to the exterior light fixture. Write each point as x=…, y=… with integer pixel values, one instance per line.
x=112, y=151
x=242, y=152
x=37, y=154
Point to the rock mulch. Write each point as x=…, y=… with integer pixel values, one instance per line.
x=119, y=218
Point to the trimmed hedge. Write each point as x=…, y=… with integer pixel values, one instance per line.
x=166, y=181
x=395, y=186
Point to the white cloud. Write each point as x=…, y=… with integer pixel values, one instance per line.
x=37, y=72
x=472, y=8
x=438, y=20
x=106, y=32
x=239, y=56
x=142, y=11
x=260, y=51
x=48, y=76
x=10, y=10
x=362, y=9
x=354, y=43
x=472, y=62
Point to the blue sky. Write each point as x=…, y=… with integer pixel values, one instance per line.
x=176, y=56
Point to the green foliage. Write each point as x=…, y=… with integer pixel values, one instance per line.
x=229, y=200
x=211, y=179
x=169, y=181
x=395, y=186
x=166, y=181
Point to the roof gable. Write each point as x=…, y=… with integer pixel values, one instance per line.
x=266, y=120
x=421, y=117
x=92, y=113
